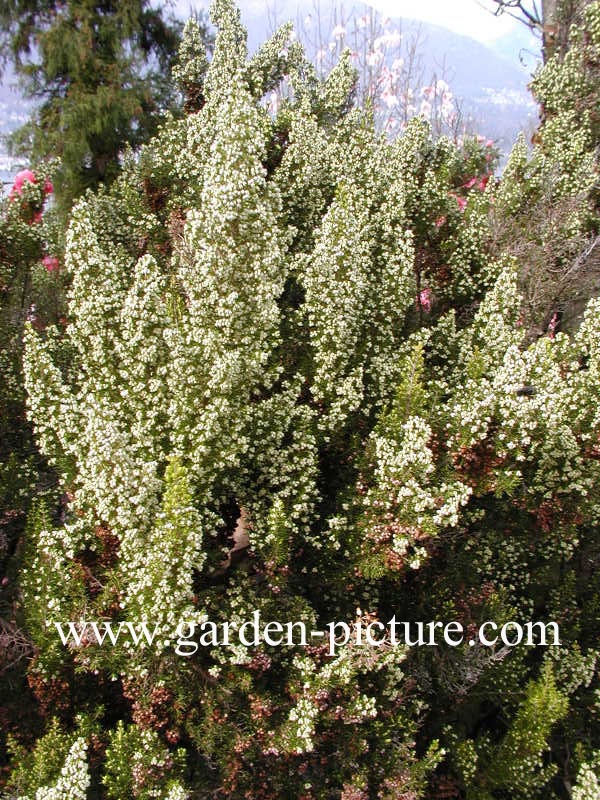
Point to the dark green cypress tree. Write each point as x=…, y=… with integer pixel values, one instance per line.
x=99, y=72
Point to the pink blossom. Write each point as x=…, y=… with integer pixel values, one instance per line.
x=483, y=182
x=374, y=58
x=462, y=201
x=424, y=299
x=25, y=176
x=440, y=221
x=48, y=187
x=489, y=143
x=391, y=39
x=51, y=263
x=389, y=98
x=37, y=217
x=552, y=325
x=470, y=183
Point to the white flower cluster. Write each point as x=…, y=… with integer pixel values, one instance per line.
x=303, y=716
x=192, y=64
x=534, y=403
x=74, y=780
x=587, y=786
x=405, y=478
x=176, y=792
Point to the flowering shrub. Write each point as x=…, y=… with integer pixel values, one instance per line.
x=30, y=290
x=546, y=210
x=299, y=384
x=389, y=68
x=57, y=769
x=30, y=194
x=25, y=289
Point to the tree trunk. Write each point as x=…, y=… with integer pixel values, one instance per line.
x=550, y=29
x=557, y=17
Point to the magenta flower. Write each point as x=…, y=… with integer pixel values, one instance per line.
x=21, y=178
x=27, y=176
x=462, y=201
x=51, y=263
x=424, y=299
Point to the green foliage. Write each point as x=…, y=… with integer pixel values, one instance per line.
x=99, y=72
x=57, y=767
x=517, y=764
x=138, y=765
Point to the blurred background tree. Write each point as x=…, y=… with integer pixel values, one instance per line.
x=101, y=74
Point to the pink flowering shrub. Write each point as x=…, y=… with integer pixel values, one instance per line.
x=51, y=263
x=424, y=299
x=31, y=195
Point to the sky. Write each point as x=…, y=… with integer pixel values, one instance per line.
x=467, y=17
x=474, y=18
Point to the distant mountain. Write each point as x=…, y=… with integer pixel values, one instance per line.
x=491, y=87
x=520, y=46
x=490, y=82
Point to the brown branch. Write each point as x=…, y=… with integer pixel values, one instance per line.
x=533, y=19
x=15, y=645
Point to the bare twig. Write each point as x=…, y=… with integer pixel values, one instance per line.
x=516, y=10
x=15, y=645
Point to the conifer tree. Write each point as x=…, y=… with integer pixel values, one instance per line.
x=99, y=75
